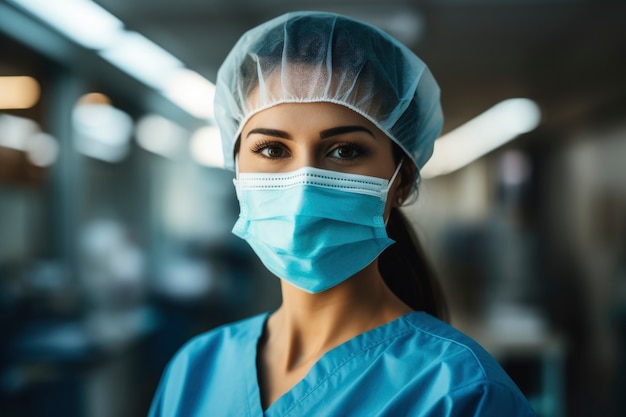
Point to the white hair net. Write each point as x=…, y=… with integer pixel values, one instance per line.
x=324, y=57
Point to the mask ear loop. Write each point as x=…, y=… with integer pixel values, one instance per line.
x=391, y=181
x=395, y=173
x=236, y=171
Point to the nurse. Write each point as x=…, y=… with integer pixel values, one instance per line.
x=327, y=122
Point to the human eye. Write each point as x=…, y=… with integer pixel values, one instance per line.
x=270, y=149
x=347, y=151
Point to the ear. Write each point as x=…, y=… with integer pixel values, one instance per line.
x=406, y=177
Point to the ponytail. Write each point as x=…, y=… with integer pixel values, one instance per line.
x=407, y=271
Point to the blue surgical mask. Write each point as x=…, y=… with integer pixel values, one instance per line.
x=313, y=228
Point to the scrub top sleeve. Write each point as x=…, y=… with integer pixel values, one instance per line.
x=486, y=399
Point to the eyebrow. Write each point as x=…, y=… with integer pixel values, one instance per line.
x=335, y=131
x=269, y=132
x=341, y=130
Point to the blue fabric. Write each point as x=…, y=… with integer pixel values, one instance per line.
x=414, y=366
x=312, y=227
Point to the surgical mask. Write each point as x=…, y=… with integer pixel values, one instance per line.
x=313, y=228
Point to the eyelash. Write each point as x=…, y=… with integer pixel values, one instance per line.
x=261, y=146
x=358, y=150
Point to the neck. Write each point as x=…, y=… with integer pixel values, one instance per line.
x=307, y=325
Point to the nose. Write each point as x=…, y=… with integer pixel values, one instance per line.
x=307, y=155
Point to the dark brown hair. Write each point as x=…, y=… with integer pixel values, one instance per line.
x=405, y=266
x=408, y=272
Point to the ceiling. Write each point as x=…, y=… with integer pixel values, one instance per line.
x=568, y=55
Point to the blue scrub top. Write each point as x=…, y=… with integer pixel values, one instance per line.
x=415, y=365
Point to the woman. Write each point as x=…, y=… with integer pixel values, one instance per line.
x=327, y=122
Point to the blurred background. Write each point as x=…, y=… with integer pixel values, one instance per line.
x=115, y=218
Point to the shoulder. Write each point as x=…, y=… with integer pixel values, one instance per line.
x=202, y=373
x=449, y=344
x=233, y=336
x=467, y=377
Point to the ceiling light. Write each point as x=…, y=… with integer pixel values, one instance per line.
x=83, y=21
x=206, y=147
x=191, y=92
x=16, y=131
x=102, y=132
x=91, y=26
x=489, y=130
x=42, y=149
x=94, y=98
x=26, y=136
x=143, y=59
x=18, y=92
x=159, y=135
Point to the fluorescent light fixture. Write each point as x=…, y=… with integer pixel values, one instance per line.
x=192, y=92
x=91, y=26
x=83, y=21
x=42, y=150
x=489, y=130
x=26, y=136
x=94, y=98
x=161, y=136
x=16, y=131
x=206, y=147
x=143, y=59
x=19, y=92
x=102, y=131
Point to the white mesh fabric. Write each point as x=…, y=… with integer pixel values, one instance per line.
x=325, y=57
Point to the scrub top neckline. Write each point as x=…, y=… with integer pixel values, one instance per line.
x=329, y=363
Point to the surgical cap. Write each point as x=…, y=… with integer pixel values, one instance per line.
x=305, y=57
